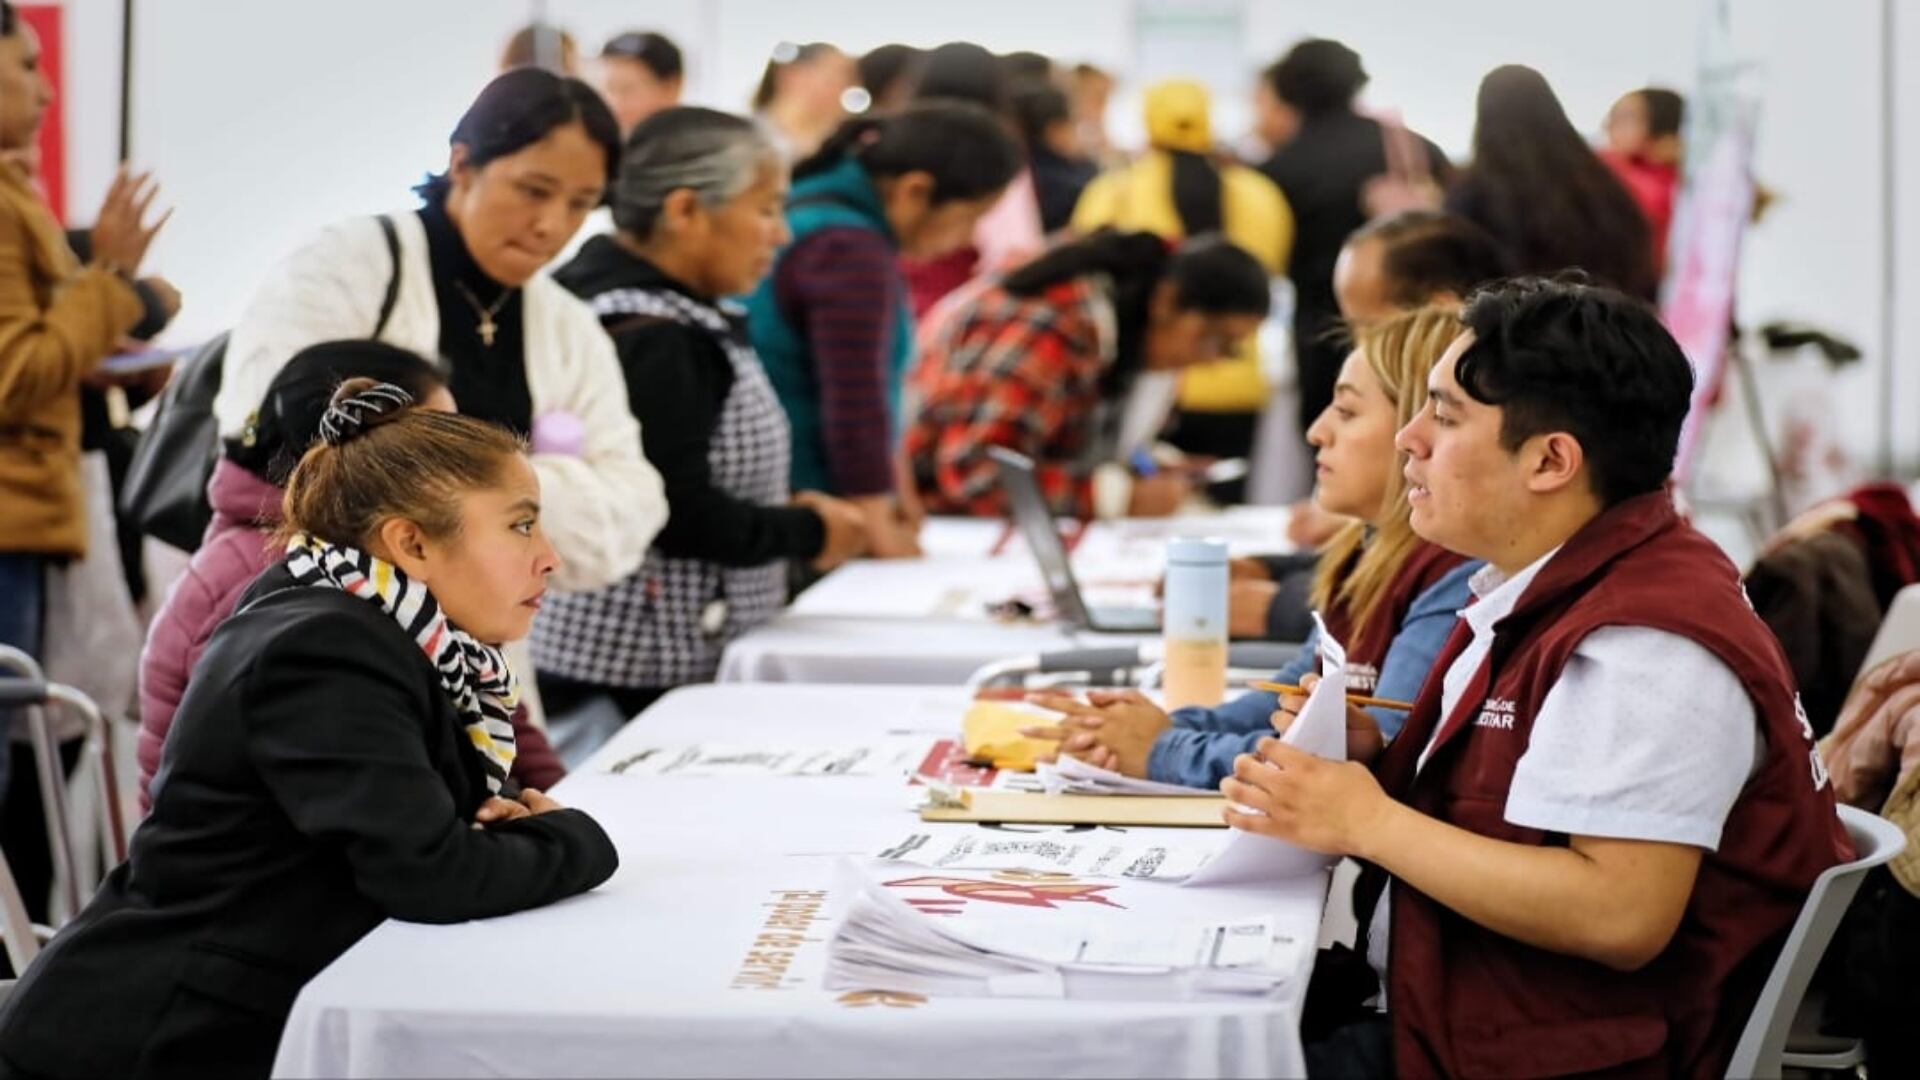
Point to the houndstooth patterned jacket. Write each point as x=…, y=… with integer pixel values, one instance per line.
x=666, y=625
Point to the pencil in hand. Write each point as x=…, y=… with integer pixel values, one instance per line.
x=1355, y=699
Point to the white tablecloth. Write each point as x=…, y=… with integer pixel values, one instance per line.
x=650, y=975
x=925, y=621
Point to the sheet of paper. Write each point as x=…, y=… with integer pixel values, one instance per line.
x=1071, y=776
x=1320, y=729
x=898, y=756
x=1079, y=854
x=1239, y=943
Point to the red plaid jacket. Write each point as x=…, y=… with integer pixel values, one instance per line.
x=1018, y=372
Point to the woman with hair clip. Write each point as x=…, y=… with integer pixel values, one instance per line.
x=246, y=491
x=1046, y=362
x=699, y=208
x=801, y=98
x=831, y=322
x=1177, y=189
x=1389, y=597
x=533, y=154
x=341, y=757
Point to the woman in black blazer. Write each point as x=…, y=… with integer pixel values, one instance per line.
x=340, y=758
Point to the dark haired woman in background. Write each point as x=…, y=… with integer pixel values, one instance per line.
x=1416, y=258
x=1009, y=232
x=1061, y=171
x=1540, y=190
x=641, y=72
x=530, y=158
x=831, y=323
x=341, y=757
x=700, y=208
x=1643, y=150
x=1324, y=157
x=1178, y=189
x=801, y=96
x=1045, y=363
x=888, y=74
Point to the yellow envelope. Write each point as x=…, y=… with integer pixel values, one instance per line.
x=992, y=733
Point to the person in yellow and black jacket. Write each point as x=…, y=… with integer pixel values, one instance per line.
x=1177, y=189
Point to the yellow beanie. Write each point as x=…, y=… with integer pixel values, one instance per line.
x=1177, y=117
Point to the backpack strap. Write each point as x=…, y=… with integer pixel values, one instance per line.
x=393, y=282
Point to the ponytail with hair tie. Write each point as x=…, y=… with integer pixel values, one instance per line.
x=360, y=405
x=968, y=151
x=843, y=143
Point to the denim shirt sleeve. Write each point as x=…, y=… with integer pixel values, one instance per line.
x=1415, y=648
x=1199, y=759
x=1198, y=750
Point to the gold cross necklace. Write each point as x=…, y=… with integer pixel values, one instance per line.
x=486, y=312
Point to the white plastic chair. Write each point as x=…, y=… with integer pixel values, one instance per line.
x=32, y=694
x=1899, y=631
x=23, y=937
x=1763, y=1049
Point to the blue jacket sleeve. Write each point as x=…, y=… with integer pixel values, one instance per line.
x=1200, y=759
x=1415, y=648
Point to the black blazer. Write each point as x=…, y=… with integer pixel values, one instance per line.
x=316, y=781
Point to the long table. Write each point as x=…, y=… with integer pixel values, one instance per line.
x=664, y=970
x=925, y=621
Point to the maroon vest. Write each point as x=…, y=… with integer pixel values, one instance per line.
x=1367, y=650
x=1472, y=1003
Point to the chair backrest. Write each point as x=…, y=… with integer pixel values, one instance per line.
x=1899, y=631
x=1875, y=840
x=22, y=942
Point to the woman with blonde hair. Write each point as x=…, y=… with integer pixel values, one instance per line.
x=1385, y=594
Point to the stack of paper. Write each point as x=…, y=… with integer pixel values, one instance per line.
x=884, y=943
x=1080, y=854
x=1070, y=776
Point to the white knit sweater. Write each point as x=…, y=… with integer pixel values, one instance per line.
x=601, y=509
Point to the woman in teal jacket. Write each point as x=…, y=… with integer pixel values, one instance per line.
x=831, y=323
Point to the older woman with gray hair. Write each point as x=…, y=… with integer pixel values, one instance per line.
x=700, y=212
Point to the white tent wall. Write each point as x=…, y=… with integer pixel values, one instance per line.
x=266, y=118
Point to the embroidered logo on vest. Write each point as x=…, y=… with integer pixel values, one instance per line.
x=1820, y=776
x=1362, y=677
x=1497, y=713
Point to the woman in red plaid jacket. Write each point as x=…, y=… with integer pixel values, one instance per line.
x=1048, y=362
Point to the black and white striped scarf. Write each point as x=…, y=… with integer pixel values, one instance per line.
x=473, y=674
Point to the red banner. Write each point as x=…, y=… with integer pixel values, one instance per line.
x=46, y=22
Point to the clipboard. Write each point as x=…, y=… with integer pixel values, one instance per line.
x=1032, y=808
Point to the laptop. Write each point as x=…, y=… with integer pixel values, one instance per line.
x=1035, y=522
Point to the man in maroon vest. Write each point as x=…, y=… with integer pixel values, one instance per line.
x=1587, y=844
